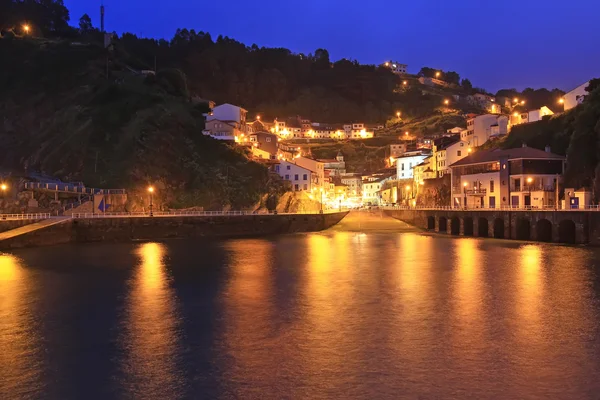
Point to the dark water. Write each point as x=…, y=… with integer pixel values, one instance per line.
x=339, y=314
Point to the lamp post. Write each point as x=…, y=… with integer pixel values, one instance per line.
x=529, y=181
x=26, y=28
x=407, y=187
x=321, y=201
x=465, y=192
x=151, y=191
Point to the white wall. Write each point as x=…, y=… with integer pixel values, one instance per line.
x=228, y=112
x=575, y=96
x=405, y=165
x=295, y=174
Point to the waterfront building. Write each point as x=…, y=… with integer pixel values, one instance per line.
x=300, y=178
x=520, y=177
x=315, y=166
x=354, y=183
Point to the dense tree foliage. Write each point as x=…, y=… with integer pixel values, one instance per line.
x=534, y=98
x=43, y=17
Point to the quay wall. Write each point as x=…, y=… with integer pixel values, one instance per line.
x=574, y=227
x=155, y=228
x=14, y=224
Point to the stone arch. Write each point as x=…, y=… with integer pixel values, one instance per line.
x=543, y=230
x=499, y=228
x=455, y=226
x=523, y=229
x=468, y=226
x=431, y=223
x=567, y=232
x=483, y=227
x=443, y=225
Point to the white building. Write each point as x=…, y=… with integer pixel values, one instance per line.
x=406, y=163
x=315, y=166
x=354, y=183
x=447, y=151
x=301, y=178
x=228, y=112
x=357, y=130
x=226, y=122
x=575, y=97
x=396, y=67
x=482, y=127
x=521, y=178
x=530, y=116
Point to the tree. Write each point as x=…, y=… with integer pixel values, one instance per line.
x=85, y=24
x=452, y=77
x=428, y=72
x=467, y=85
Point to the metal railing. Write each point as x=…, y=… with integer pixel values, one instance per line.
x=70, y=188
x=499, y=208
x=6, y=217
x=191, y=214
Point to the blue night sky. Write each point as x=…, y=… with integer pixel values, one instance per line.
x=496, y=44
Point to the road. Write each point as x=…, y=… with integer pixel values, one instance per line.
x=374, y=220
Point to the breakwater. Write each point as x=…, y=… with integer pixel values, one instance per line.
x=110, y=229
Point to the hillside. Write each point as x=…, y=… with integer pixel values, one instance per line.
x=575, y=133
x=64, y=117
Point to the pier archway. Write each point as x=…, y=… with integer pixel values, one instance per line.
x=443, y=225
x=567, y=232
x=523, y=229
x=455, y=226
x=483, y=227
x=543, y=230
x=468, y=226
x=431, y=223
x=499, y=228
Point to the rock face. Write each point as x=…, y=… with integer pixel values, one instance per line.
x=157, y=228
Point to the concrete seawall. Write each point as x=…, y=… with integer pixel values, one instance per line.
x=574, y=227
x=145, y=228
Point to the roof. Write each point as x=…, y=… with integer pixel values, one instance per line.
x=483, y=156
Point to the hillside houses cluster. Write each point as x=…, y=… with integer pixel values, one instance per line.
x=229, y=122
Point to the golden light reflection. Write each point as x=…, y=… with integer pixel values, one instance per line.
x=531, y=290
x=467, y=312
x=250, y=338
x=18, y=341
x=151, y=327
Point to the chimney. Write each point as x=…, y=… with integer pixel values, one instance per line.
x=547, y=149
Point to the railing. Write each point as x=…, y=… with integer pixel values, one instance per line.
x=70, y=188
x=190, y=214
x=499, y=208
x=533, y=188
x=476, y=192
x=4, y=217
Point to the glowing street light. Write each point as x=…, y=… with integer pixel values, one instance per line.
x=522, y=102
x=258, y=117
x=515, y=100
x=561, y=101
x=406, y=133
x=529, y=180
x=4, y=187
x=437, y=74
x=151, y=191
x=465, y=191
x=398, y=114
x=405, y=83
x=26, y=28
x=469, y=150
x=446, y=102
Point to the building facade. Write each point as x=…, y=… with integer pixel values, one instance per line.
x=517, y=178
x=483, y=127
x=300, y=178
x=406, y=163
x=575, y=97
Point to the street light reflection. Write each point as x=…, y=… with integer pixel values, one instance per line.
x=151, y=326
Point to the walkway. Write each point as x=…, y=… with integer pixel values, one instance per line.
x=370, y=221
x=32, y=227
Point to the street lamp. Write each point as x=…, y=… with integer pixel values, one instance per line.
x=321, y=201
x=529, y=181
x=151, y=191
x=405, y=83
x=446, y=102
x=407, y=187
x=465, y=192
x=437, y=74
x=561, y=101
x=26, y=28
x=258, y=117
x=406, y=133
x=398, y=114
x=3, y=187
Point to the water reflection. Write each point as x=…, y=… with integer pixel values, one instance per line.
x=19, y=341
x=152, y=328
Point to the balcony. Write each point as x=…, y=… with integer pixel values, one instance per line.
x=532, y=188
x=476, y=192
